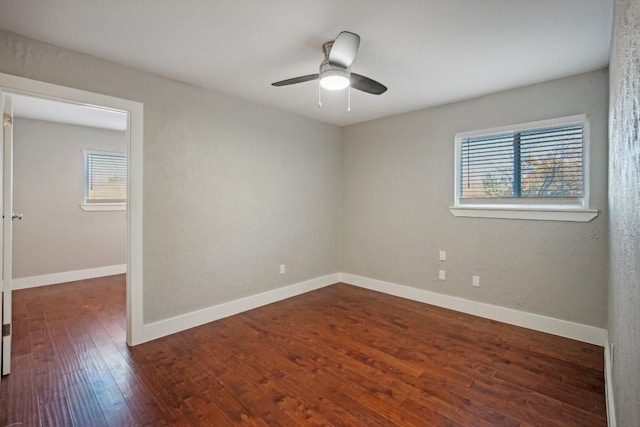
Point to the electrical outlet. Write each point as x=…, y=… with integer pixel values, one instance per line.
x=441, y=274
x=283, y=268
x=442, y=256
x=475, y=281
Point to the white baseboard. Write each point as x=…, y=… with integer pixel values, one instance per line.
x=563, y=328
x=608, y=386
x=67, y=276
x=196, y=318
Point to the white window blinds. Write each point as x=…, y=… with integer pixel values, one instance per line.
x=105, y=178
x=536, y=163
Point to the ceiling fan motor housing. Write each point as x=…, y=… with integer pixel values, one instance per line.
x=333, y=77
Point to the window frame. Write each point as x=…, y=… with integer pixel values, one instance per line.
x=554, y=209
x=100, y=206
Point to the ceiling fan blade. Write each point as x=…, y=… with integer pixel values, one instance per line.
x=344, y=49
x=295, y=80
x=366, y=84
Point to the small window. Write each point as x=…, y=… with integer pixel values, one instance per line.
x=540, y=165
x=105, y=178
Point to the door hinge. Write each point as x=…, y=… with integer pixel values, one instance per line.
x=6, y=329
x=7, y=120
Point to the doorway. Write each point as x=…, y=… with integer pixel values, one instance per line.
x=69, y=192
x=11, y=86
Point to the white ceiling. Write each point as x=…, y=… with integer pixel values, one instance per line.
x=63, y=112
x=427, y=52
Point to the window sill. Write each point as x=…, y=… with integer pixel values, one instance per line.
x=537, y=214
x=104, y=207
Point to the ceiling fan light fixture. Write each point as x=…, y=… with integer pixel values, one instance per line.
x=334, y=79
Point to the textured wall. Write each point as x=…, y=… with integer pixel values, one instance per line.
x=624, y=205
x=398, y=186
x=231, y=189
x=48, y=190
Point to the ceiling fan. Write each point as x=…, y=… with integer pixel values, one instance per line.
x=335, y=71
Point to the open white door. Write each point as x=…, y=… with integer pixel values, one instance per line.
x=7, y=235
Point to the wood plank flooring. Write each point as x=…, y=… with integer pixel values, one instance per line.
x=339, y=356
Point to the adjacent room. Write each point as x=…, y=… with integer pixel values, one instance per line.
x=321, y=213
x=69, y=185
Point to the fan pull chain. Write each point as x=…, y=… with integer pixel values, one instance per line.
x=319, y=96
x=349, y=100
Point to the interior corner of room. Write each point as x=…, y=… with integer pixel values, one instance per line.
x=241, y=204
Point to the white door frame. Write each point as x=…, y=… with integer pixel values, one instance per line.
x=134, y=112
x=7, y=228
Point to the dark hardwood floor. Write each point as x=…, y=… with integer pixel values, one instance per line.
x=341, y=356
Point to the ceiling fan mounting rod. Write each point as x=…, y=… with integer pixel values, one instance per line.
x=326, y=49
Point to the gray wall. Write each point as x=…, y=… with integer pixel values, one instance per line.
x=398, y=185
x=231, y=189
x=624, y=204
x=56, y=235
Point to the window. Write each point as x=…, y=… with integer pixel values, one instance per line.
x=105, y=181
x=534, y=167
